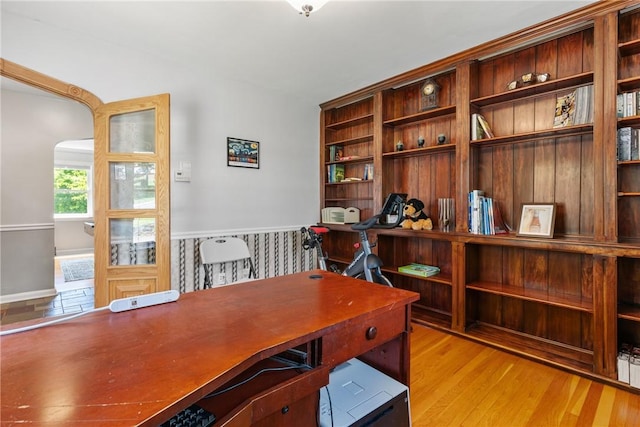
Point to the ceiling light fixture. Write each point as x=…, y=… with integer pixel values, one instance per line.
x=305, y=7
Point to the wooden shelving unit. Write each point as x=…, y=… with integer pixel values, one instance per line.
x=548, y=299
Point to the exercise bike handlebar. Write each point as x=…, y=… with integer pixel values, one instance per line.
x=373, y=223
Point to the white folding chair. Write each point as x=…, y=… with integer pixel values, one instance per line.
x=217, y=252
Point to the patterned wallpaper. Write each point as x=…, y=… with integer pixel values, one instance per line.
x=273, y=254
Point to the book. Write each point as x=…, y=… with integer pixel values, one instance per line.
x=480, y=128
x=624, y=144
x=499, y=226
x=339, y=173
x=421, y=270
x=630, y=104
x=565, y=109
x=368, y=171
x=574, y=108
x=335, y=173
x=484, y=215
x=485, y=126
x=584, y=105
x=476, y=129
x=635, y=148
x=620, y=100
x=475, y=213
x=336, y=153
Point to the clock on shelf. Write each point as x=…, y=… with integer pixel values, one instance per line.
x=429, y=93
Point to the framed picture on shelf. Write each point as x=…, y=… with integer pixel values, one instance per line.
x=243, y=153
x=537, y=220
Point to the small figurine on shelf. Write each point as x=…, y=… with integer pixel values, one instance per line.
x=420, y=141
x=399, y=146
x=442, y=138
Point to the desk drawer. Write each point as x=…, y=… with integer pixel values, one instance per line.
x=361, y=335
x=281, y=399
x=284, y=404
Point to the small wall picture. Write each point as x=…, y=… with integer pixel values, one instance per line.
x=243, y=153
x=537, y=220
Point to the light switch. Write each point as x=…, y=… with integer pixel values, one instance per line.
x=183, y=173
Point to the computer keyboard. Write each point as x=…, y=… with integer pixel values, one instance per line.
x=193, y=416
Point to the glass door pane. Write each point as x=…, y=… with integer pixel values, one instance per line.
x=133, y=132
x=133, y=241
x=133, y=185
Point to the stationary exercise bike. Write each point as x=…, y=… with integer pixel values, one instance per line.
x=365, y=264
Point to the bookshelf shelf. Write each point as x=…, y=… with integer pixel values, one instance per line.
x=530, y=345
x=350, y=122
x=362, y=181
x=629, y=121
x=629, y=48
x=629, y=83
x=354, y=140
x=525, y=92
x=536, y=135
x=629, y=312
x=423, y=115
x=441, y=278
x=629, y=163
x=532, y=295
x=629, y=194
x=419, y=151
x=364, y=159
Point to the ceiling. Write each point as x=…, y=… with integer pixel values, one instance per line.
x=345, y=46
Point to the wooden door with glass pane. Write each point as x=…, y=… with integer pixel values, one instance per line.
x=132, y=206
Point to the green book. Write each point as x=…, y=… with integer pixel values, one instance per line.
x=419, y=270
x=339, y=175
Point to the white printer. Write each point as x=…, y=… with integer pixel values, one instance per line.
x=359, y=395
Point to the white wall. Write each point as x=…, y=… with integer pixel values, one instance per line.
x=32, y=125
x=205, y=110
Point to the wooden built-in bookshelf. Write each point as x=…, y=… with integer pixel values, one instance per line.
x=571, y=300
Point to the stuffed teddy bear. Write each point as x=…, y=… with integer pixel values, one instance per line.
x=414, y=216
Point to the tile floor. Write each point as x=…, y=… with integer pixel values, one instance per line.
x=65, y=302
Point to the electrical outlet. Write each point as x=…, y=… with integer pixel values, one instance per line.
x=221, y=279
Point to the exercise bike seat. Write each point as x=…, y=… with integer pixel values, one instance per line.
x=318, y=229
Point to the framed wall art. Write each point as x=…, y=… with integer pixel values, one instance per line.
x=537, y=220
x=243, y=153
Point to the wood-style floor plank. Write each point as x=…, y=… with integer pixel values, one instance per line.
x=458, y=382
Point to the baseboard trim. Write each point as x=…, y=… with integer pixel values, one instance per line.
x=24, y=296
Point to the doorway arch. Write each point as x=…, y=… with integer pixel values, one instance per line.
x=33, y=78
x=116, y=277
x=41, y=112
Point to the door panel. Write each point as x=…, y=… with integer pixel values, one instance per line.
x=132, y=206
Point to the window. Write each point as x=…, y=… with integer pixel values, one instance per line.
x=72, y=191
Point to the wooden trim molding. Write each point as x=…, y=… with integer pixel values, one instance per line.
x=41, y=81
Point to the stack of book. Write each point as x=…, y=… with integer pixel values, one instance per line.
x=628, y=144
x=368, y=171
x=421, y=270
x=480, y=128
x=574, y=108
x=335, y=173
x=484, y=215
x=628, y=104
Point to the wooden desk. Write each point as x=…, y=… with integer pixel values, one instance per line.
x=141, y=367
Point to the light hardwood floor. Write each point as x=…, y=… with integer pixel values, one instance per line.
x=457, y=382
